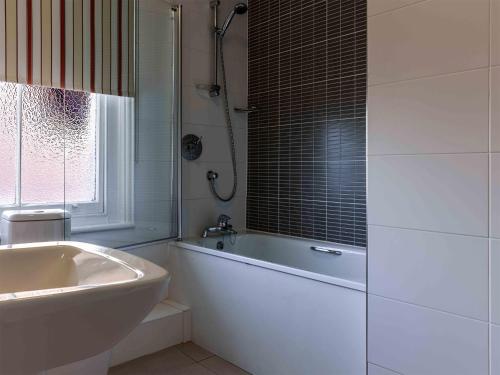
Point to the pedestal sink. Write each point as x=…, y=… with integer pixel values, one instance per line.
x=61, y=302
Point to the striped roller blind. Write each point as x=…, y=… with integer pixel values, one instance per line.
x=74, y=44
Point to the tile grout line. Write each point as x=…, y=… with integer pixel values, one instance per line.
x=396, y=9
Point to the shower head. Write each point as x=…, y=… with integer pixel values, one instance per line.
x=240, y=8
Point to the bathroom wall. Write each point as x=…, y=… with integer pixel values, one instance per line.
x=433, y=192
x=204, y=116
x=307, y=77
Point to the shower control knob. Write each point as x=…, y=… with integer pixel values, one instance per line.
x=191, y=147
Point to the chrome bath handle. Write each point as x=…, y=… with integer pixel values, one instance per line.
x=326, y=250
x=249, y=109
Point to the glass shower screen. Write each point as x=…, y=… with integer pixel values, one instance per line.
x=120, y=156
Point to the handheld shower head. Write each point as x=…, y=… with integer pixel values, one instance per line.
x=240, y=8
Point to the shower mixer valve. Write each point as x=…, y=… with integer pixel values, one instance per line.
x=212, y=176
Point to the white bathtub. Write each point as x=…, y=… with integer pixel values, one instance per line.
x=271, y=305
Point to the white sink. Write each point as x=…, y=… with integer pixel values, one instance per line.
x=61, y=302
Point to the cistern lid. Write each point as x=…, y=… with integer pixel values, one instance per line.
x=36, y=215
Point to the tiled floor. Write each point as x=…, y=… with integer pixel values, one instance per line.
x=184, y=359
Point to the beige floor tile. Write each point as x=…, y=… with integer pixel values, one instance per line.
x=194, y=351
x=195, y=369
x=222, y=367
x=158, y=363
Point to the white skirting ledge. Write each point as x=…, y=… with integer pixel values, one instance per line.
x=168, y=324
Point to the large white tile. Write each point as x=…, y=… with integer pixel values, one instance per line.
x=445, y=114
x=155, y=6
x=198, y=29
x=380, y=6
x=495, y=281
x=428, y=38
x=445, y=193
x=197, y=68
x=155, y=141
x=495, y=32
x=495, y=195
x=195, y=183
x=199, y=213
x=377, y=370
x=415, y=340
x=495, y=350
x=442, y=271
x=155, y=211
x=153, y=179
x=495, y=109
x=199, y=108
x=215, y=141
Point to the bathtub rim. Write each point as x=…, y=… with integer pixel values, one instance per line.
x=185, y=244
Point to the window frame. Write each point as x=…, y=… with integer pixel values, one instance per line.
x=118, y=122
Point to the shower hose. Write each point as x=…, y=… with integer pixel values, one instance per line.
x=230, y=133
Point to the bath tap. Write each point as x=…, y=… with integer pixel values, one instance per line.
x=222, y=227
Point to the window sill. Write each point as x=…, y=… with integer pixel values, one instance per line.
x=101, y=228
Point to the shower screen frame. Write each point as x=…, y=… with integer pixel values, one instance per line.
x=176, y=104
x=171, y=189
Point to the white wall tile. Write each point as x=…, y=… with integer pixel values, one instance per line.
x=199, y=213
x=197, y=67
x=153, y=179
x=156, y=253
x=196, y=215
x=200, y=108
x=155, y=6
x=428, y=38
x=495, y=195
x=495, y=281
x=495, y=32
x=377, y=370
x=495, y=350
x=380, y=6
x=429, y=95
x=155, y=141
x=157, y=212
x=447, y=193
x=415, y=340
x=195, y=183
x=198, y=29
x=495, y=109
x=444, y=114
x=217, y=136
x=442, y=271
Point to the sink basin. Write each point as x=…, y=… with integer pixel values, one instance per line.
x=61, y=302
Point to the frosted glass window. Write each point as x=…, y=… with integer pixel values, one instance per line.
x=58, y=146
x=42, y=145
x=48, y=146
x=8, y=143
x=80, y=147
